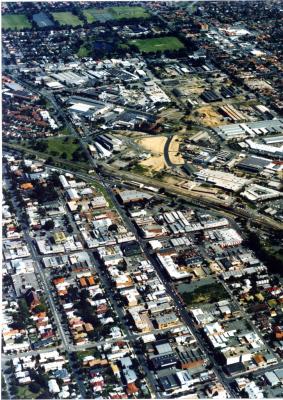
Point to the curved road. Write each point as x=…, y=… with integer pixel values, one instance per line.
x=166, y=152
x=169, y=140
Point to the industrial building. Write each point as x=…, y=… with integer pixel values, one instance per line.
x=253, y=164
x=221, y=179
x=70, y=78
x=267, y=149
x=251, y=129
x=230, y=111
x=209, y=96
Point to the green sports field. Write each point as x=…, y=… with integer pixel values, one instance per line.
x=67, y=18
x=157, y=44
x=15, y=21
x=112, y=13
x=129, y=12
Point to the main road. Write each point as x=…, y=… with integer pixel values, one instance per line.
x=185, y=316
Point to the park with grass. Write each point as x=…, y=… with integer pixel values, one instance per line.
x=67, y=18
x=15, y=22
x=114, y=13
x=157, y=44
x=61, y=147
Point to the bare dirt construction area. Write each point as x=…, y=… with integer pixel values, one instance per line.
x=207, y=116
x=173, y=151
x=156, y=147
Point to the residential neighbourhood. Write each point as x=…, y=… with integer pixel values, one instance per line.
x=141, y=200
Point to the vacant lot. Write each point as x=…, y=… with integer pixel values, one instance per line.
x=207, y=116
x=173, y=151
x=154, y=163
x=15, y=21
x=208, y=293
x=67, y=18
x=110, y=13
x=157, y=44
x=156, y=146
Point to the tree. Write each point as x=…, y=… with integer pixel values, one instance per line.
x=23, y=310
x=64, y=155
x=39, y=378
x=69, y=229
x=42, y=211
x=49, y=225
x=34, y=387
x=50, y=160
x=113, y=227
x=18, y=325
x=40, y=308
x=78, y=155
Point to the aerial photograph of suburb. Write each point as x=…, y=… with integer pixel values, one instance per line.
x=142, y=201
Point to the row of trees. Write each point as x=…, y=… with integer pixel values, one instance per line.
x=272, y=261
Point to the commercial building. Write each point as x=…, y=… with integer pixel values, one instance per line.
x=167, y=321
x=133, y=196
x=260, y=193
x=221, y=179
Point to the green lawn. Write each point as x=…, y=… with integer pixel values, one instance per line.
x=139, y=169
x=23, y=392
x=61, y=145
x=157, y=44
x=129, y=12
x=27, y=149
x=64, y=131
x=15, y=21
x=90, y=352
x=89, y=14
x=109, y=13
x=83, y=51
x=55, y=146
x=67, y=18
